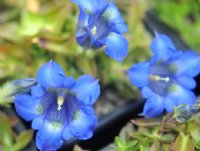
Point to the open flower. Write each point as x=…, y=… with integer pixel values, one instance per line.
x=100, y=24
x=167, y=79
x=60, y=107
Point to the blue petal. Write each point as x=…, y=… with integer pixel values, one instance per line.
x=84, y=123
x=87, y=89
x=114, y=18
x=139, y=74
x=37, y=122
x=147, y=92
x=84, y=40
x=169, y=104
x=68, y=82
x=49, y=136
x=188, y=63
x=154, y=106
x=116, y=46
x=101, y=5
x=120, y=28
x=27, y=107
x=37, y=91
x=162, y=48
x=67, y=133
x=83, y=19
x=50, y=75
x=181, y=95
x=81, y=28
x=91, y=6
x=186, y=81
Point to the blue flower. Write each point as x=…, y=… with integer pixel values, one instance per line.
x=100, y=24
x=167, y=79
x=59, y=107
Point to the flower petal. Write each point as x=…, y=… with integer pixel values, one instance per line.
x=50, y=75
x=67, y=133
x=139, y=74
x=120, y=28
x=116, y=46
x=169, y=104
x=87, y=89
x=162, y=47
x=27, y=107
x=49, y=136
x=181, y=95
x=83, y=19
x=37, y=122
x=147, y=92
x=153, y=107
x=186, y=81
x=85, y=40
x=89, y=6
x=68, y=82
x=188, y=63
x=84, y=123
x=114, y=18
x=37, y=91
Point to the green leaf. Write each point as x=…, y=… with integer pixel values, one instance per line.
x=31, y=23
x=194, y=130
x=5, y=134
x=121, y=145
x=183, y=143
x=22, y=140
x=144, y=148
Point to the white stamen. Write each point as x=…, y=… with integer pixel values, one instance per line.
x=158, y=78
x=94, y=30
x=60, y=102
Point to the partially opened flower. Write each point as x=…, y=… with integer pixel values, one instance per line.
x=59, y=107
x=100, y=24
x=167, y=79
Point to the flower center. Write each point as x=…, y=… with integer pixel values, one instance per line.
x=99, y=23
x=60, y=105
x=60, y=102
x=94, y=30
x=160, y=78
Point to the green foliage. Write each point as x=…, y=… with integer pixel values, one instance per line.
x=125, y=146
x=160, y=135
x=22, y=140
x=8, y=141
x=182, y=15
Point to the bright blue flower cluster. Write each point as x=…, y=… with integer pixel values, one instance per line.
x=59, y=107
x=167, y=79
x=100, y=24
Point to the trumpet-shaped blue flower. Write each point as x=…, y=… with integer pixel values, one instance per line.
x=59, y=107
x=167, y=79
x=100, y=24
